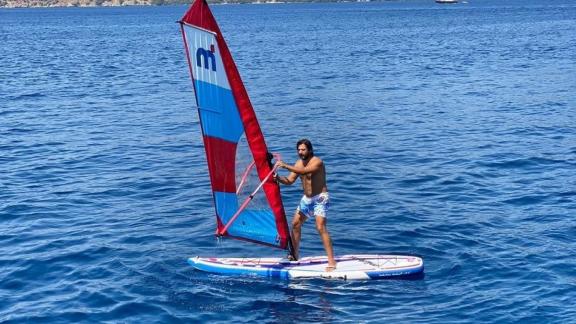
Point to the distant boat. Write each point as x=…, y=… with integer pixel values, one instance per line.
x=446, y=1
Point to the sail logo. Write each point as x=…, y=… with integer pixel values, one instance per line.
x=206, y=58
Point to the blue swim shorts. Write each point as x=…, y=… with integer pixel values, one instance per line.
x=314, y=206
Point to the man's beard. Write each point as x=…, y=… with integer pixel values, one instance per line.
x=304, y=156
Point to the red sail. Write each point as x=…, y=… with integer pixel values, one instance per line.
x=227, y=118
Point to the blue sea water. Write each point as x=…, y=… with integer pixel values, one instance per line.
x=448, y=131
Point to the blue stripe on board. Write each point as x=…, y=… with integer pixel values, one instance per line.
x=218, y=111
x=258, y=225
x=265, y=272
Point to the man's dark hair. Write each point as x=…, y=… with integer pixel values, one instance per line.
x=308, y=144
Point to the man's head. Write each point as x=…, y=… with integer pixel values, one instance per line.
x=304, y=148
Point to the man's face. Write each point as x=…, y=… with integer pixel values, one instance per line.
x=303, y=152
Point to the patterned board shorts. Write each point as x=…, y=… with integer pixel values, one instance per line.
x=314, y=206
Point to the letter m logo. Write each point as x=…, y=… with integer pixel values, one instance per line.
x=206, y=58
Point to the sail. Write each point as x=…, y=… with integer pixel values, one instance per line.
x=247, y=200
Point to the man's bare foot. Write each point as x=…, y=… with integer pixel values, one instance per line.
x=330, y=268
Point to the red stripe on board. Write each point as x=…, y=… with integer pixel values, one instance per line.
x=221, y=156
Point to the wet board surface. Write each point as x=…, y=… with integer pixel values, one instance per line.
x=349, y=267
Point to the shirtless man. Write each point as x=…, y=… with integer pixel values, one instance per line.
x=315, y=201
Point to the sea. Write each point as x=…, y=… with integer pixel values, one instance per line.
x=447, y=131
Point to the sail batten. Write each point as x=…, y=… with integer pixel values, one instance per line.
x=236, y=152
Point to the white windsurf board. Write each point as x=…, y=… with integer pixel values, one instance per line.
x=349, y=267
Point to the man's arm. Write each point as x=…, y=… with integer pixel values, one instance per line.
x=298, y=169
x=290, y=179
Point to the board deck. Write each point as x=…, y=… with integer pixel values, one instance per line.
x=349, y=267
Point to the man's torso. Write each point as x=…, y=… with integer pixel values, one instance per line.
x=313, y=183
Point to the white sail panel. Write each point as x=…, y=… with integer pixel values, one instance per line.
x=205, y=57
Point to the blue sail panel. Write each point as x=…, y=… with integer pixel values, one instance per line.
x=257, y=225
x=218, y=112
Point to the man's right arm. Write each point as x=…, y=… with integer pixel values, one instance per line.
x=290, y=179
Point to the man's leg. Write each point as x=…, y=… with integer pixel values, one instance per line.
x=326, y=241
x=297, y=223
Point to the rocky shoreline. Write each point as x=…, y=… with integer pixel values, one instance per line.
x=117, y=3
x=69, y=3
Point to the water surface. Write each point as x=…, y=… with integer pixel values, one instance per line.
x=448, y=132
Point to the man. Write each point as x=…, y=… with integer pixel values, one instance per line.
x=315, y=201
